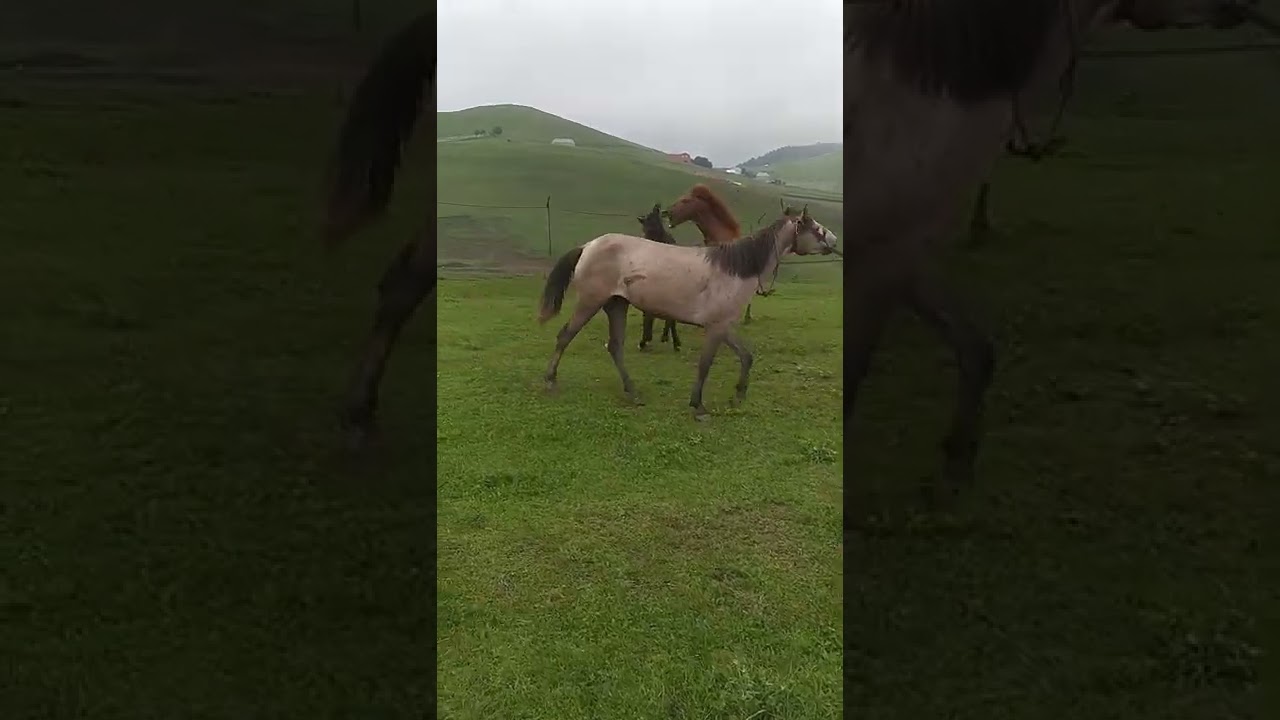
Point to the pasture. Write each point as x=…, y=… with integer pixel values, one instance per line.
x=609, y=560
x=183, y=540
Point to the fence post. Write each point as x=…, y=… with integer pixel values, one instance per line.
x=549, y=252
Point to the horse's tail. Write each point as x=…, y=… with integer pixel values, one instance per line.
x=557, y=283
x=383, y=110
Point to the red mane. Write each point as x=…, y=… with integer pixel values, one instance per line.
x=717, y=208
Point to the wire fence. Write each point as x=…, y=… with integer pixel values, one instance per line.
x=549, y=208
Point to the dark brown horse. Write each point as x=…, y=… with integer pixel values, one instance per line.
x=652, y=228
x=379, y=121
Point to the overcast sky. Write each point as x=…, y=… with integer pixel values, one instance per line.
x=729, y=79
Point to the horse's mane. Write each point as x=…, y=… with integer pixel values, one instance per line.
x=717, y=207
x=747, y=257
x=972, y=50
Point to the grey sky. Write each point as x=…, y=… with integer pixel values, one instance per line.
x=769, y=73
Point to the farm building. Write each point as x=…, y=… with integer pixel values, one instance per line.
x=567, y=142
x=734, y=171
x=683, y=157
x=762, y=175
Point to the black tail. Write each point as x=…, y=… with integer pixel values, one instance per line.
x=383, y=110
x=557, y=283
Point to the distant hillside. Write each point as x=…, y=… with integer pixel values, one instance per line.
x=824, y=172
x=793, y=152
x=491, y=192
x=525, y=124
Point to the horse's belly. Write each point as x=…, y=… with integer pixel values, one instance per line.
x=674, y=295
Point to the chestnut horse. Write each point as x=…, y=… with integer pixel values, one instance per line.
x=712, y=218
x=706, y=286
x=652, y=228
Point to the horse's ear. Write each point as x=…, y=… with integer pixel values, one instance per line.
x=783, y=203
x=640, y=219
x=805, y=212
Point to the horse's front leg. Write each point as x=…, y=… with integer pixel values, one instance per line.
x=745, y=360
x=715, y=336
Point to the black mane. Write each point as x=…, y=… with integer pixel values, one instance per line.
x=972, y=50
x=747, y=257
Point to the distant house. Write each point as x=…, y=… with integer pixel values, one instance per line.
x=680, y=157
x=734, y=171
x=567, y=142
x=762, y=176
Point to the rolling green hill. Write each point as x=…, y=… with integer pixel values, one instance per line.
x=596, y=187
x=823, y=172
x=789, y=153
x=525, y=124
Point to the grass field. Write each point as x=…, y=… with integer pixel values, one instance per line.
x=599, y=560
x=183, y=540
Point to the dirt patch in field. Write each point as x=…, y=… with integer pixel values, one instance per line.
x=487, y=246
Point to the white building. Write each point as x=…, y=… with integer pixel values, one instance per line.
x=567, y=142
x=734, y=171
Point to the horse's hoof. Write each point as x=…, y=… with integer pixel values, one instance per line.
x=643, y=347
x=701, y=415
x=635, y=400
x=551, y=386
x=737, y=401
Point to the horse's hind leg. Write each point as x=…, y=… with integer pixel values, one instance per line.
x=646, y=335
x=675, y=337
x=975, y=356
x=581, y=314
x=616, y=310
x=406, y=281
x=746, y=319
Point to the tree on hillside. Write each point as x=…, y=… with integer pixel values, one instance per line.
x=480, y=132
x=702, y=161
x=496, y=131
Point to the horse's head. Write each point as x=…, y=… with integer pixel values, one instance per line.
x=1162, y=14
x=684, y=209
x=651, y=224
x=812, y=238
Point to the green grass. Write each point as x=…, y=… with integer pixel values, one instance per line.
x=602, y=560
x=608, y=561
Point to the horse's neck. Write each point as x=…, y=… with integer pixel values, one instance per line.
x=713, y=231
x=781, y=244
